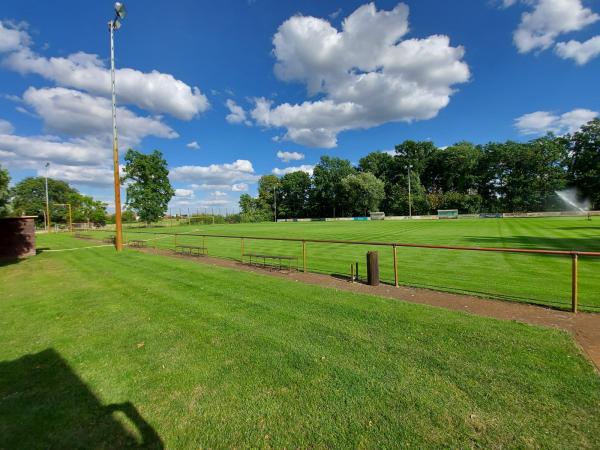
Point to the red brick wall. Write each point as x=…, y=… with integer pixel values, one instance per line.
x=17, y=237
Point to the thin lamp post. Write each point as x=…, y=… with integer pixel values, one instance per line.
x=275, y=202
x=47, y=201
x=409, y=193
x=113, y=25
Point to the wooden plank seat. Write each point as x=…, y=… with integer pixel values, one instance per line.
x=279, y=262
x=191, y=250
x=137, y=243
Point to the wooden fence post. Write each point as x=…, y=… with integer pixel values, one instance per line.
x=304, y=256
x=574, y=282
x=242, y=252
x=395, y=267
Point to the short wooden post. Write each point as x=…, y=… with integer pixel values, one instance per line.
x=304, y=256
x=574, y=282
x=242, y=252
x=395, y=266
x=352, y=272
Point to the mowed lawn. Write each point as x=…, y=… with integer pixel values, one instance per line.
x=529, y=278
x=103, y=350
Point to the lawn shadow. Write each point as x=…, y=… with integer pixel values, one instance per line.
x=44, y=404
x=542, y=242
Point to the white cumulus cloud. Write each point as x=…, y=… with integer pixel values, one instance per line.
x=184, y=193
x=237, y=114
x=290, y=156
x=193, y=145
x=6, y=127
x=13, y=36
x=303, y=168
x=580, y=52
x=367, y=73
x=78, y=114
x=238, y=171
x=542, y=122
x=548, y=19
x=153, y=91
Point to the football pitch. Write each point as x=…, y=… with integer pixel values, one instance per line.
x=539, y=279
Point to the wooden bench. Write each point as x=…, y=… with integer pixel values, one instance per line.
x=191, y=250
x=82, y=236
x=271, y=261
x=137, y=243
x=109, y=240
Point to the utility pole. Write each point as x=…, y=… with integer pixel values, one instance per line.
x=47, y=201
x=113, y=25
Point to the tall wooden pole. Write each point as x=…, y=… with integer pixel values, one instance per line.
x=117, y=181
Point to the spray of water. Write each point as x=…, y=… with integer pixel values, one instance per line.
x=569, y=196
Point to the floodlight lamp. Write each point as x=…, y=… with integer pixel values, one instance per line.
x=120, y=10
x=116, y=24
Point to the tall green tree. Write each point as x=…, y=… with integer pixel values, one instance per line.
x=519, y=177
x=453, y=169
x=149, y=190
x=86, y=209
x=584, y=164
x=268, y=188
x=29, y=198
x=4, y=192
x=252, y=210
x=295, y=191
x=380, y=164
x=328, y=193
x=364, y=192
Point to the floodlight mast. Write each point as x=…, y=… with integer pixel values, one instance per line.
x=47, y=201
x=113, y=25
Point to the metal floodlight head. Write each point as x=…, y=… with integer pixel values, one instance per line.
x=116, y=24
x=47, y=165
x=120, y=10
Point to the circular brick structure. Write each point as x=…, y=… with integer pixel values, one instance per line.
x=17, y=237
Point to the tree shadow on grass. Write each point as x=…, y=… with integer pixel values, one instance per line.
x=590, y=244
x=44, y=404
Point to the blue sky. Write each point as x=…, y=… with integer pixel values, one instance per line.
x=223, y=88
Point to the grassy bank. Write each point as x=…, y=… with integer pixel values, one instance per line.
x=103, y=350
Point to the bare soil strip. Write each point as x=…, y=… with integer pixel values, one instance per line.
x=584, y=327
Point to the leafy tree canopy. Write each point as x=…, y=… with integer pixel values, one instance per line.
x=149, y=190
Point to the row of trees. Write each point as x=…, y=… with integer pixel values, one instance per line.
x=495, y=177
x=148, y=194
x=28, y=197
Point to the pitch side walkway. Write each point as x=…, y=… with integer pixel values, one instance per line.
x=584, y=327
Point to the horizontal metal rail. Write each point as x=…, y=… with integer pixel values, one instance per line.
x=389, y=244
x=574, y=254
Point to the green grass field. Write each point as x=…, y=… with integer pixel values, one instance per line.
x=537, y=279
x=100, y=350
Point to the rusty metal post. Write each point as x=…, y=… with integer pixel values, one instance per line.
x=574, y=282
x=395, y=267
x=304, y=256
